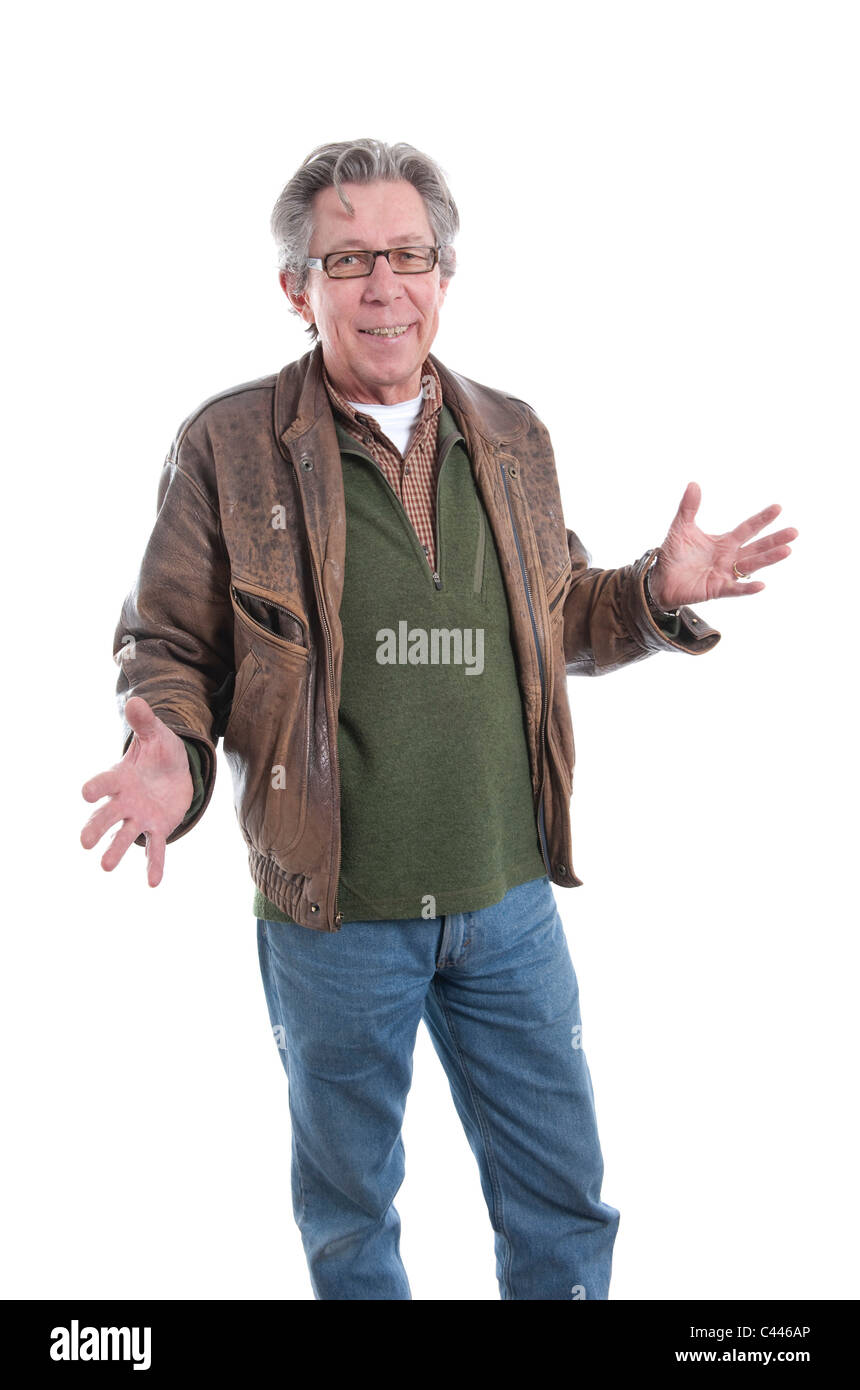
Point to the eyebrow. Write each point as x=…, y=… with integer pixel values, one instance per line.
x=404, y=240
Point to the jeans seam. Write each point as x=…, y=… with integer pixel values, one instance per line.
x=274, y=976
x=498, y=1201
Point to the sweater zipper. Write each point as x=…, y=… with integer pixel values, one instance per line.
x=450, y=441
x=448, y=444
x=541, y=820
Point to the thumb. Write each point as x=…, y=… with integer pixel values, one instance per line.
x=690, y=502
x=141, y=717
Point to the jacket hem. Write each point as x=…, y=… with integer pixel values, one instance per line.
x=288, y=892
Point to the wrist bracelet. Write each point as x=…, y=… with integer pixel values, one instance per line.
x=669, y=612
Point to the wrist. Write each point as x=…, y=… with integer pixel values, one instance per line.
x=653, y=602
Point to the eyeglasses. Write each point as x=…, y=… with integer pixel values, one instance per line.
x=404, y=260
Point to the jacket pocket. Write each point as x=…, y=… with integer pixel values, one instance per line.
x=557, y=591
x=231, y=694
x=267, y=738
x=270, y=617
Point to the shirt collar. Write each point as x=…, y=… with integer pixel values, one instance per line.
x=431, y=389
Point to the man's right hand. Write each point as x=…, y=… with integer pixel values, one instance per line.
x=149, y=790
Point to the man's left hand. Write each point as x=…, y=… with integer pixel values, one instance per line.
x=693, y=566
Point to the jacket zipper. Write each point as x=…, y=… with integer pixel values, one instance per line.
x=331, y=906
x=541, y=820
x=333, y=917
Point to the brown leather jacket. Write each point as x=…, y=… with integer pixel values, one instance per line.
x=232, y=628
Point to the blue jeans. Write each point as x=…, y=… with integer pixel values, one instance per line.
x=498, y=993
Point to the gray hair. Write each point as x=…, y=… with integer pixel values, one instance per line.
x=358, y=161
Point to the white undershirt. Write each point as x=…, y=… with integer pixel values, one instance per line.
x=396, y=421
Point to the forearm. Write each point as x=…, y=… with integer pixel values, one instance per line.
x=608, y=621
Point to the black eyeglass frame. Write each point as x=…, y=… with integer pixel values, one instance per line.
x=321, y=262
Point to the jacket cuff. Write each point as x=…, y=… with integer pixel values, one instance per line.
x=201, y=765
x=195, y=757
x=693, y=634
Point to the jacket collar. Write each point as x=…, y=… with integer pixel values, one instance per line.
x=301, y=400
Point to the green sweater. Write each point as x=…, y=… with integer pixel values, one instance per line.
x=437, y=813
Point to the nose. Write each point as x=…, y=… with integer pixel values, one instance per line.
x=383, y=283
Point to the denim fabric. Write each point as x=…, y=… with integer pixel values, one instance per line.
x=498, y=993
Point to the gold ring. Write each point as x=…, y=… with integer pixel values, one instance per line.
x=738, y=574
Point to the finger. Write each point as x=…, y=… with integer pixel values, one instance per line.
x=104, y=784
x=124, y=837
x=690, y=502
x=733, y=590
x=764, y=543
x=755, y=523
x=100, y=821
x=747, y=563
x=155, y=847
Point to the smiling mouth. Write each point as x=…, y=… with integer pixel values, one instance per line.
x=395, y=331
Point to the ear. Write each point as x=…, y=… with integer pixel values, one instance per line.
x=287, y=280
x=444, y=283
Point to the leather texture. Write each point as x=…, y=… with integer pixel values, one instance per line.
x=232, y=630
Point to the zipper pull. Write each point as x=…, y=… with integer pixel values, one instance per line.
x=436, y=580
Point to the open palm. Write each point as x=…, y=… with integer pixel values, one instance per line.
x=693, y=566
x=149, y=791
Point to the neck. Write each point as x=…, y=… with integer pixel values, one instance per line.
x=375, y=393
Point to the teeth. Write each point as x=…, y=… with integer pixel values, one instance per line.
x=387, y=332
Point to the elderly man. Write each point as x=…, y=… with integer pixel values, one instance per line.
x=360, y=577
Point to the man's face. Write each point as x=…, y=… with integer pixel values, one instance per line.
x=365, y=367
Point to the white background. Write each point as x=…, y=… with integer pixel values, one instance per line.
x=695, y=166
